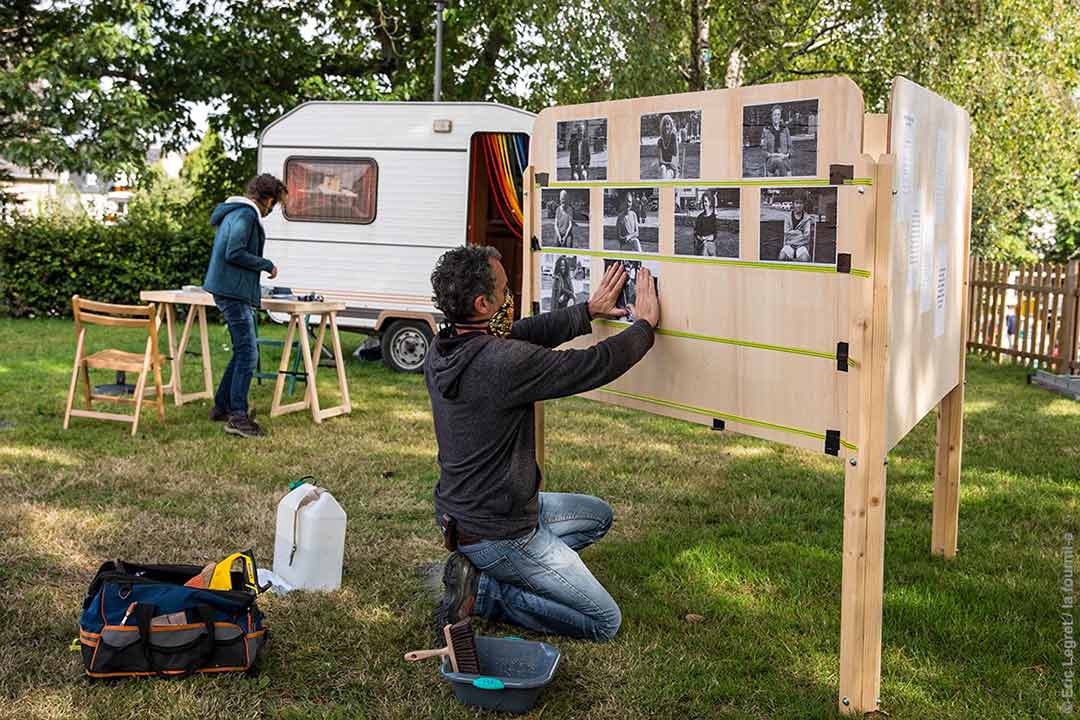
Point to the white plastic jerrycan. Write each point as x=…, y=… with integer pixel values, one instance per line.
x=309, y=546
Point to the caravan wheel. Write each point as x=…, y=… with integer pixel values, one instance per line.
x=405, y=345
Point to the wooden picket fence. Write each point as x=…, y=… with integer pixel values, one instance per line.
x=1027, y=313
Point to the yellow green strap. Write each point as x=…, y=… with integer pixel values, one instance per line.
x=745, y=182
x=740, y=343
x=695, y=260
x=726, y=416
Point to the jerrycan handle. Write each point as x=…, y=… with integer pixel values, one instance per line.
x=312, y=495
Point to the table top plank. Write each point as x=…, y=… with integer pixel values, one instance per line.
x=201, y=297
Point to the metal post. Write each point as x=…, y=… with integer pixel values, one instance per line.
x=439, y=5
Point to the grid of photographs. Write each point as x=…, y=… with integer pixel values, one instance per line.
x=671, y=145
x=581, y=151
x=707, y=222
x=628, y=296
x=564, y=281
x=564, y=218
x=632, y=219
x=798, y=225
x=780, y=139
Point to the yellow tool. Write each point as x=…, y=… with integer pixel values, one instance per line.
x=220, y=576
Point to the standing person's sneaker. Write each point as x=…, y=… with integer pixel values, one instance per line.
x=244, y=427
x=461, y=580
x=219, y=415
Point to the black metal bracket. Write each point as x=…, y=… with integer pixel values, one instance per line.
x=542, y=179
x=832, y=442
x=842, y=356
x=535, y=308
x=535, y=244
x=843, y=263
x=839, y=173
x=717, y=424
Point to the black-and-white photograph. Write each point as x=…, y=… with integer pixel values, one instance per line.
x=798, y=225
x=707, y=222
x=564, y=280
x=564, y=218
x=780, y=139
x=628, y=296
x=581, y=150
x=632, y=219
x=671, y=145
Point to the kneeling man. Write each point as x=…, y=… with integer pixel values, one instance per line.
x=517, y=548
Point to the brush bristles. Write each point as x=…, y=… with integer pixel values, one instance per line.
x=462, y=641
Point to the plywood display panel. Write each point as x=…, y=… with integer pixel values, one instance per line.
x=750, y=344
x=798, y=313
x=928, y=136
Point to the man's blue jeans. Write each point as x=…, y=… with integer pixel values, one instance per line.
x=232, y=392
x=539, y=582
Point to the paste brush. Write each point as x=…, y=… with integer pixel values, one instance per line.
x=460, y=647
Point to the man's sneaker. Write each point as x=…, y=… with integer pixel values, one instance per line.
x=461, y=580
x=219, y=415
x=244, y=427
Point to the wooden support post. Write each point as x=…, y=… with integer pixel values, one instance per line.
x=864, y=474
x=1067, y=338
x=950, y=433
x=208, y=373
x=195, y=312
x=181, y=354
x=309, y=368
x=174, y=365
x=950, y=436
x=346, y=404
x=77, y=368
x=530, y=197
x=276, y=408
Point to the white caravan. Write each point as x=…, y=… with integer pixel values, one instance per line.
x=377, y=191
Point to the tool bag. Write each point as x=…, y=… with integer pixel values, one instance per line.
x=140, y=620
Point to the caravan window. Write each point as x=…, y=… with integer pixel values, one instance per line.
x=331, y=189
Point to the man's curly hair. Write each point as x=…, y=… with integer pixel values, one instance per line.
x=459, y=277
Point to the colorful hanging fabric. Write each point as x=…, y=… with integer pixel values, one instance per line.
x=504, y=156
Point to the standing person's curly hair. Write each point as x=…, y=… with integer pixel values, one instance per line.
x=265, y=187
x=459, y=277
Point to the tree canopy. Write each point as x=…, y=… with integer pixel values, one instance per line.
x=89, y=84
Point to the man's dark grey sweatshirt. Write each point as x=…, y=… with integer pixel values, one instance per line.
x=482, y=393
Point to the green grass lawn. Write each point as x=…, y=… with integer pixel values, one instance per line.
x=745, y=533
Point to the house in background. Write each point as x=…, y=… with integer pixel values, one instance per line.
x=103, y=198
x=33, y=188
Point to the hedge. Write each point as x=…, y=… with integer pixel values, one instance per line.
x=45, y=260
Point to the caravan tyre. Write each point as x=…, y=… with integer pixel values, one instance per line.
x=405, y=344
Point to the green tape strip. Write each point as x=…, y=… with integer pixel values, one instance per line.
x=726, y=416
x=740, y=343
x=748, y=182
x=695, y=260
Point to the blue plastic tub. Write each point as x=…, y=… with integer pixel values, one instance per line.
x=512, y=674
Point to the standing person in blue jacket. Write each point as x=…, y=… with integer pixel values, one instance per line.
x=233, y=279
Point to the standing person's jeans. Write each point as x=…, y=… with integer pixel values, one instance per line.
x=232, y=393
x=539, y=582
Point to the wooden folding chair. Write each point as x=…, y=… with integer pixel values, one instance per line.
x=88, y=312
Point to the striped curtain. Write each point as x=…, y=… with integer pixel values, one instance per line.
x=504, y=156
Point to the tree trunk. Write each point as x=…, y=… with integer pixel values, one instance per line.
x=734, y=76
x=699, y=44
